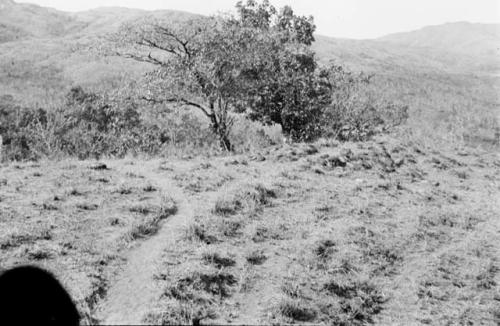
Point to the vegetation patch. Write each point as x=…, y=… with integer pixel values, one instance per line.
x=215, y=259
x=248, y=199
x=296, y=310
x=256, y=257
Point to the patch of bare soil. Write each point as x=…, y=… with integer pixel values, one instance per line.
x=132, y=292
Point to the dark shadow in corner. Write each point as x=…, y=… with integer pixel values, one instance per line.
x=31, y=296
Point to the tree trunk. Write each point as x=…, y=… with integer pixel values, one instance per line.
x=221, y=131
x=225, y=143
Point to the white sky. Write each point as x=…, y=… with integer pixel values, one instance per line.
x=338, y=18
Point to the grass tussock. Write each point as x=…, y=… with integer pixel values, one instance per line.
x=296, y=310
x=217, y=260
x=359, y=300
x=86, y=206
x=150, y=224
x=245, y=199
x=256, y=257
x=180, y=313
x=197, y=232
x=143, y=209
x=123, y=190
x=210, y=281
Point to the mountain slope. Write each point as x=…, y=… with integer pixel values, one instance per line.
x=460, y=37
x=108, y=19
x=19, y=21
x=46, y=51
x=453, y=47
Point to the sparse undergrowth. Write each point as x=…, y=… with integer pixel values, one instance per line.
x=336, y=247
x=387, y=233
x=66, y=218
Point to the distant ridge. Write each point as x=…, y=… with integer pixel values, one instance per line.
x=47, y=44
x=459, y=37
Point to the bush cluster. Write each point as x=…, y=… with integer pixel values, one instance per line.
x=91, y=126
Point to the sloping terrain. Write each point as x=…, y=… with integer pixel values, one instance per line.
x=78, y=219
x=61, y=49
x=462, y=37
x=382, y=232
x=397, y=230
x=22, y=21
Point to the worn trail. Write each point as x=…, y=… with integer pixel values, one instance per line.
x=133, y=292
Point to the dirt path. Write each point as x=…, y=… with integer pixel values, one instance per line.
x=133, y=291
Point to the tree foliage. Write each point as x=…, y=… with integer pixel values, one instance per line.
x=258, y=62
x=285, y=85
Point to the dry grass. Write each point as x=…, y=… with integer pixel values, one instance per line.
x=351, y=246
x=71, y=219
x=399, y=233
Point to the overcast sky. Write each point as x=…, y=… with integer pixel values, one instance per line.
x=338, y=18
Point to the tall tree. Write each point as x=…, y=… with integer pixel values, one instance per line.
x=258, y=62
x=287, y=87
x=199, y=65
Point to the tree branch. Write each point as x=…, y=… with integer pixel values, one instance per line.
x=154, y=45
x=142, y=58
x=179, y=100
x=169, y=33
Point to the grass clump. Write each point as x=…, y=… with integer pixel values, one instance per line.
x=15, y=240
x=147, y=227
x=292, y=289
x=75, y=192
x=359, y=300
x=150, y=224
x=168, y=207
x=180, y=313
x=248, y=198
x=256, y=257
x=215, y=259
x=324, y=249
x=197, y=283
x=149, y=188
x=123, y=190
x=87, y=206
x=229, y=228
x=296, y=309
x=199, y=232
x=142, y=209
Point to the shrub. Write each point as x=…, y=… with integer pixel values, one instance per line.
x=355, y=112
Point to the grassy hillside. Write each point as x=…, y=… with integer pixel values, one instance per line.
x=385, y=232
x=447, y=74
x=401, y=229
x=24, y=21
x=477, y=40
